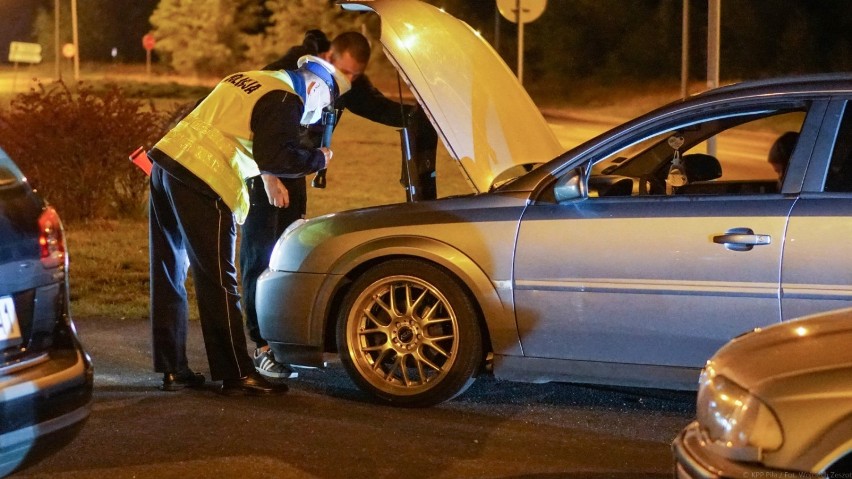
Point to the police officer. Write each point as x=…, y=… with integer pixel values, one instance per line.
x=275, y=204
x=249, y=123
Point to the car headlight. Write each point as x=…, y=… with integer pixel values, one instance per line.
x=737, y=424
x=295, y=224
x=275, y=257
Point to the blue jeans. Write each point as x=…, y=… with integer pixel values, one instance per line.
x=262, y=228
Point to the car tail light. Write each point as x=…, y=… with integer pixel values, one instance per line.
x=51, y=239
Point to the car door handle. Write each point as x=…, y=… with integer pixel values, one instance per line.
x=753, y=240
x=742, y=239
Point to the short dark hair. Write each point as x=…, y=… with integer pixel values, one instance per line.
x=316, y=41
x=782, y=149
x=353, y=42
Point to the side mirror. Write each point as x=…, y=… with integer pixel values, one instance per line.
x=570, y=187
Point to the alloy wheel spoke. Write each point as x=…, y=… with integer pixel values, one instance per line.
x=429, y=363
x=413, y=305
x=368, y=314
x=396, y=364
x=394, y=308
x=389, y=307
x=431, y=342
x=431, y=311
x=379, y=347
x=404, y=370
x=377, y=362
x=430, y=321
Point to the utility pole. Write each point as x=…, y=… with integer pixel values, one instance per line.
x=57, y=57
x=684, y=52
x=521, y=12
x=714, y=9
x=76, y=40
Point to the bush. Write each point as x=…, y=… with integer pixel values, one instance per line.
x=74, y=147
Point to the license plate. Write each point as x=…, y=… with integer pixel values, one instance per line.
x=9, y=328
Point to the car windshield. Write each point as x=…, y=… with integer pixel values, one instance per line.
x=513, y=173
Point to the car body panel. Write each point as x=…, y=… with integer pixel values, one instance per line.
x=817, y=274
x=440, y=232
x=486, y=119
x=620, y=301
x=801, y=370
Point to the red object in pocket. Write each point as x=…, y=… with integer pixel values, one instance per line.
x=140, y=159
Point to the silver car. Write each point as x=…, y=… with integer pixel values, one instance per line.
x=776, y=402
x=627, y=260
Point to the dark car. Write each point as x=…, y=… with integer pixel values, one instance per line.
x=45, y=375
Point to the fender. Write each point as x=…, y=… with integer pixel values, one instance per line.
x=494, y=300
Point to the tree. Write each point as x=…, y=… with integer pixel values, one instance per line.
x=251, y=16
x=290, y=19
x=197, y=36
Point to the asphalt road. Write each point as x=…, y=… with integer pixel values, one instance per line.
x=325, y=428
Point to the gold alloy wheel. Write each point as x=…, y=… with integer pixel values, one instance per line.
x=402, y=334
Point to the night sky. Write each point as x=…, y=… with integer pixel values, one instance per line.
x=15, y=23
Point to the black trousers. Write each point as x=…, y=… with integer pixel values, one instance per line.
x=192, y=227
x=262, y=228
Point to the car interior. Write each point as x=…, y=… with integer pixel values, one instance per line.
x=839, y=178
x=721, y=156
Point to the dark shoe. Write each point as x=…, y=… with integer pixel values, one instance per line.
x=184, y=379
x=252, y=385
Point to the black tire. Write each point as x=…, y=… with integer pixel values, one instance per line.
x=408, y=334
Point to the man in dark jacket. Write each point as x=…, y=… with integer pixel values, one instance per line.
x=276, y=203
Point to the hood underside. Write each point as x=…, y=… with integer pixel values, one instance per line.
x=486, y=119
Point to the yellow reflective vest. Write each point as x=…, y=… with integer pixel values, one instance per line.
x=215, y=140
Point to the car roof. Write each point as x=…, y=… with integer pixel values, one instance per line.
x=828, y=82
x=804, y=86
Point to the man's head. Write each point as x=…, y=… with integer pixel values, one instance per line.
x=316, y=42
x=781, y=150
x=349, y=53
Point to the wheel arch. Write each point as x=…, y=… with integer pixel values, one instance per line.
x=468, y=275
x=833, y=450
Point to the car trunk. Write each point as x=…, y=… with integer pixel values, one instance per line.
x=29, y=292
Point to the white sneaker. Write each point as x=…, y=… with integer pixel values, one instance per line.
x=265, y=363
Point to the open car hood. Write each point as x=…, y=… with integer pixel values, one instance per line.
x=486, y=119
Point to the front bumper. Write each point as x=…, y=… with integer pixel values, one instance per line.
x=42, y=405
x=288, y=315
x=694, y=460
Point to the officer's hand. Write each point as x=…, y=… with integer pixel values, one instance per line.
x=276, y=191
x=328, y=154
